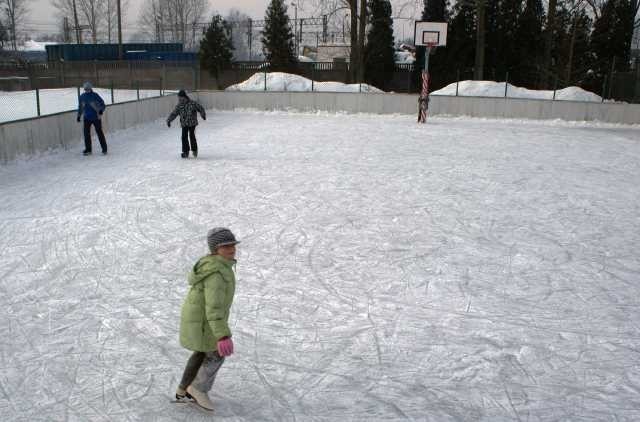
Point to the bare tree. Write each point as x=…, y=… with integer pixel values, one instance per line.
x=111, y=17
x=238, y=22
x=14, y=11
x=93, y=12
x=173, y=20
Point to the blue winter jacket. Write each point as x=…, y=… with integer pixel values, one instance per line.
x=90, y=106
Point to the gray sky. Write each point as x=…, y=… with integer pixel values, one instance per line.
x=44, y=19
x=43, y=16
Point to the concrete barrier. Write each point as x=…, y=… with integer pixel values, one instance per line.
x=31, y=136
x=513, y=108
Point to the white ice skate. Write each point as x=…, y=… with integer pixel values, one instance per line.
x=201, y=399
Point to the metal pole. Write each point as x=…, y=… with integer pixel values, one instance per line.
x=555, y=88
x=295, y=24
x=38, y=101
x=112, y=91
x=613, y=66
x=138, y=90
x=249, y=35
x=120, y=54
x=457, y=82
x=506, y=84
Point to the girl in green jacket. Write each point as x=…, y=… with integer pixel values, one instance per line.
x=204, y=327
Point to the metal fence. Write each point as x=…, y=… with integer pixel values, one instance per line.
x=24, y=104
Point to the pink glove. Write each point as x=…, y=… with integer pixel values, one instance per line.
x=225, y=346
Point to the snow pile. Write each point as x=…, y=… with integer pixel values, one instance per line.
x=496, y=89
x=279, y=81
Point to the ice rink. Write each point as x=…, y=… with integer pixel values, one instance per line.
x=463, y=270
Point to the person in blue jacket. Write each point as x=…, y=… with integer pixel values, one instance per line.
x=91, y=106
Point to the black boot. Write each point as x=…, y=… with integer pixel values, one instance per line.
x=184, y=155
x=85, y=152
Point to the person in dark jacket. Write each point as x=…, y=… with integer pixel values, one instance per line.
x=188, y=111
x=91, y=106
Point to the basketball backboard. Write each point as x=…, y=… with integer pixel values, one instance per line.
x=430, y=33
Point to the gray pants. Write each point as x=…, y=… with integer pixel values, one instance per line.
x=201, y=370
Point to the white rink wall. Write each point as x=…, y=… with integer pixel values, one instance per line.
x=440, y=105
x=25, y=138
x=29, y=137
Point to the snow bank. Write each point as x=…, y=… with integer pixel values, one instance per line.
x=496, y=89
x=279, y=81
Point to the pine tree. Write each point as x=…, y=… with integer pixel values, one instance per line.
x=216, y=48
x=526, y=72
x=502, y=48
x=571, y=47
x=461, y=41
x=277, y=38
x=379, y=56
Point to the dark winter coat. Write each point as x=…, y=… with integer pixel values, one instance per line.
x=205, y=313
x=91, y=106
x=188, y=111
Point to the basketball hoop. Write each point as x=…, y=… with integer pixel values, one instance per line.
x=429, y=35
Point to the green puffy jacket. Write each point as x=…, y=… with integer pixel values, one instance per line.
x=205, y=311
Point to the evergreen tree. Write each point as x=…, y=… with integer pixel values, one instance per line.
x=571, y=53
x=277, y=38
x=502, y=48
x=379, y=56
x=610, y=38
x=216, y=48
x=526, y=72
x=461, y=40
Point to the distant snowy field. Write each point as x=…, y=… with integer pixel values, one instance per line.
x=463, y=270
x=22, y=104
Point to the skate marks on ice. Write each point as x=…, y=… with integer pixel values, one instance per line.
x=479, y=270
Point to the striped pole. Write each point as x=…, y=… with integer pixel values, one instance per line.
x=423, y=101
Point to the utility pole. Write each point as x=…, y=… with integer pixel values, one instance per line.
x=120, y=54
x=66, y=29
x=76, y=25
x=250, y=36
x=295, y=25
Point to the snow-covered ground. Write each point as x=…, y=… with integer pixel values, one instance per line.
x=279, y=81
x=463, y=270
x=22, y=104
x=497, y=89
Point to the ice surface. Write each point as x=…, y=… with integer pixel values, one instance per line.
x=463, y=270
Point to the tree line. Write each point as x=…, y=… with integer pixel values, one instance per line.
x=535, y=44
